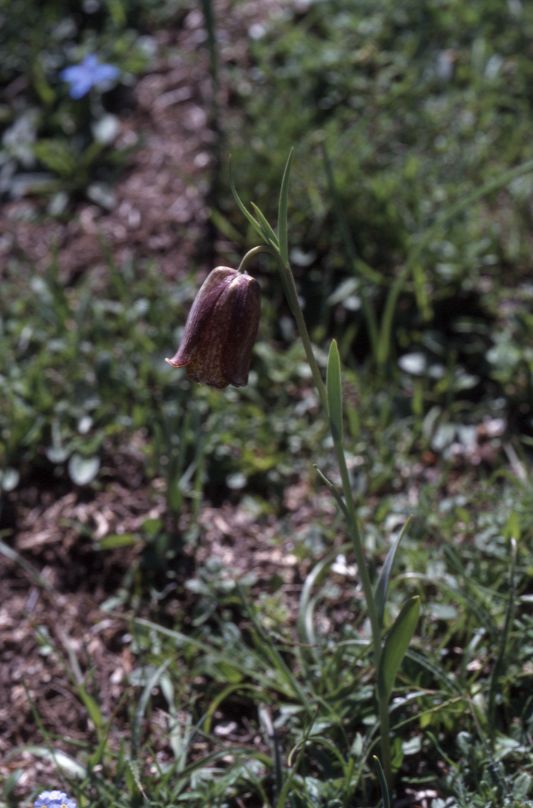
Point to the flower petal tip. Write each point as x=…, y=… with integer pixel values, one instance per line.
x=174, y=363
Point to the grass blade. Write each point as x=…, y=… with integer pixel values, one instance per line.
x=268, y=651
x=141, y=707
x=273, y=740
x=499, y=665
x=360, y=268
x=283, y=236
x=32, y=572
x=65, y=763
x=385, y=793
x=382, y=586
x=384, y=344
x=397, y=643
x=267, y=233
x=306, y=632
x=258, y=222
x=334, y=390
x=240, y=204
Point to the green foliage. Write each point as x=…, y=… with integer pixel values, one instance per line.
x=334, y=388
x=82, y=368
x=320, y=712
x=77, y=366
x=397, y=643
x=50, y=142
x=399, y=113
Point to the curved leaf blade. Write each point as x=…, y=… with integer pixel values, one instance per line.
x=334, y=391
x=385, y=793
x=283, y=203
x=382, y=586
x=240, y=204
x=267, y=233
x=397, y=643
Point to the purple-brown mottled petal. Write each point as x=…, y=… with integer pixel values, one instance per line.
x=200, y=312
x=243, y=324
x=221, y=329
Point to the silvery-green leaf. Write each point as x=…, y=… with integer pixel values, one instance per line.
x=83, y=470
x=9, y=479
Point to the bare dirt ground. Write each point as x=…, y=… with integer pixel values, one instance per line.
x=159, y=209
x=55, y=637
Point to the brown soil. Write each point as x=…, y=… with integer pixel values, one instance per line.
x=158, y=211
x=59, y=636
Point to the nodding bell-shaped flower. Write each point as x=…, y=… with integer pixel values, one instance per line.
x=221, y=330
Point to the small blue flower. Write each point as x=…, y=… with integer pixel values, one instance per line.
x=88, y=74
x=54, y=799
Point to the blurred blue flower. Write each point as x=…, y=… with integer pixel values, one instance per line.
x=89, y=73
x=54, y=799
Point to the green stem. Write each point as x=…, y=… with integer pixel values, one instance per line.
x=355, y=535
x=291, y=293
x=289, y=287
x=353, y=525
x=251, y=254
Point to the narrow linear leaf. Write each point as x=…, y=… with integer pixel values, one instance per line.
x=223, y=224
x=93, y=710
x=421, y=293
x=236, y=751
x=267, y=232
x=382, y=586
x=272, y=738
x=31, y=571
x=267, y=648
x=60, y=759
x=283, y=232
x=334, y=390
x=305, y=626
x=360, y=268
x=385, y=793
x=397, y=643
x=220, y=697
x=436, y=670
x=242, y=207
x=142, y=705
x=245, y=666
x=499, y=665
x=385, y=332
